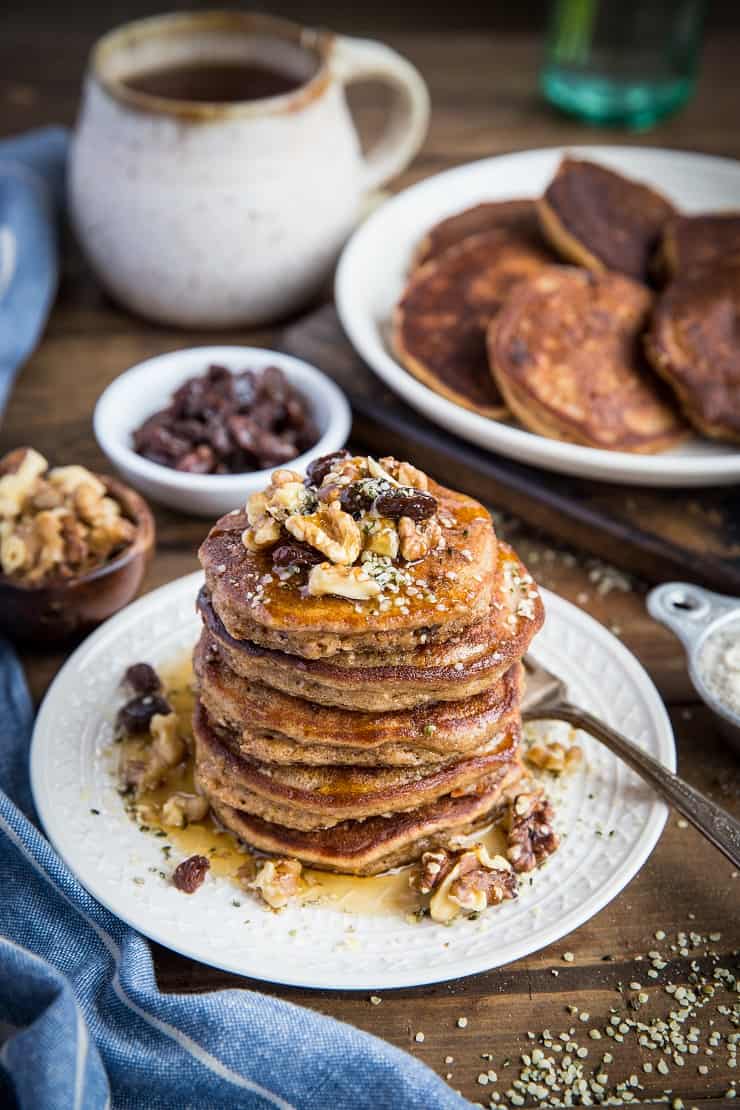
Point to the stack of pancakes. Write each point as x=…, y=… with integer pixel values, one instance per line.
x=354, y=733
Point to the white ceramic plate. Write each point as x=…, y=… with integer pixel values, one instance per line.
x=372, y=274
x=608, y=836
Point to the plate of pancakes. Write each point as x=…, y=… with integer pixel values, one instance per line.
x=345, y=742
x=576, y=309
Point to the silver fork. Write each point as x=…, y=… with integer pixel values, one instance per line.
x=546, y=699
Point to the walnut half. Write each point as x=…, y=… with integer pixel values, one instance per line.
x=531, y=835
x=331, y=531
x=464, y=881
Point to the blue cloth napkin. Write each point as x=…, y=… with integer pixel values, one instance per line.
x=83, y=1025
x=31, y=194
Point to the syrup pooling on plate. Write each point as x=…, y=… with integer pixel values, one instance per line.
x=390, y=893
x=375, y=894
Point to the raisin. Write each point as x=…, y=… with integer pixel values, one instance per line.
x=136, y=715
x=200, y=460
x=142, y=679
x=317, y=470
x=361, y=496
x=296, y=554
x=189, y=874
x=406, y=501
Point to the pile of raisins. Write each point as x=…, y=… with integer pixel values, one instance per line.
x=229, y=423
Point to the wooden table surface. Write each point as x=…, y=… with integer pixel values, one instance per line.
x=483, y=92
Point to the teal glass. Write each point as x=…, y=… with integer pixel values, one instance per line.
x=622, y=62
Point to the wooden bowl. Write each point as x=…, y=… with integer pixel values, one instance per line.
x=49, y=613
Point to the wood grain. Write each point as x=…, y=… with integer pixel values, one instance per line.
x=485, y=101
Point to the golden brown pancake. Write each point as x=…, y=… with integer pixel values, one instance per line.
x=439, y=327
x=272, y=726
x=567, y=354
x=518, y=217
x=430, y=675
x=694, y=344
x=379, y=843
x=310, y=797
x=453, y=590
x=691, y=243
x=596, y=218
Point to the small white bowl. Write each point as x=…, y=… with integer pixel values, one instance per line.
x=147, y=387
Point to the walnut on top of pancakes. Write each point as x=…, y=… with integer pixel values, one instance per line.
x=352, y=523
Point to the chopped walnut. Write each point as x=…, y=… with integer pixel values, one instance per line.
x=375, y=470
x=56, y=522
x=181, y=809
x=278, y=881
x=353, y=583
x=149, y=765
x=381, y=537
x=168, y=744
x=409, y=475
x=417, y=538
x=331, y=531
x=433, y=867
x=266, y=509
x=554, y=757
x=69, y=479
x=531, y=835
x=20, y=473
x=464, y=880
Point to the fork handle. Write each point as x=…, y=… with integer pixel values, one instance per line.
x=717, y=825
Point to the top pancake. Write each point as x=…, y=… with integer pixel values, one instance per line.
x=438, y=596
x=693, y=344
x=431, y=673
x=516, y=216
x=691, y=243
x=440, y=323
x=599, y=219
x=567, y=353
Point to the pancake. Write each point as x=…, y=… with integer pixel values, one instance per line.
x=567, y=354
x=309, y=797
x=596, y=218
x=693, y=344
x=692, y=243
x=272, y=726
x=451, y=589
x=429, y=676
x=439, y=326
x=516, y=216
x=379, y=843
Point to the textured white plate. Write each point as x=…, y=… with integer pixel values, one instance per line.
x=608, y=837
x=372, y=274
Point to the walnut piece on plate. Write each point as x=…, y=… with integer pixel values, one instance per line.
x=531, y=835
x=554, y=756
x=463, y=880
x=277, y=882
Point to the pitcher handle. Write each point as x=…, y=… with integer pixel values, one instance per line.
x=356, y=59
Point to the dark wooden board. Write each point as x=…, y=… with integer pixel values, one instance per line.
x=657, y=533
